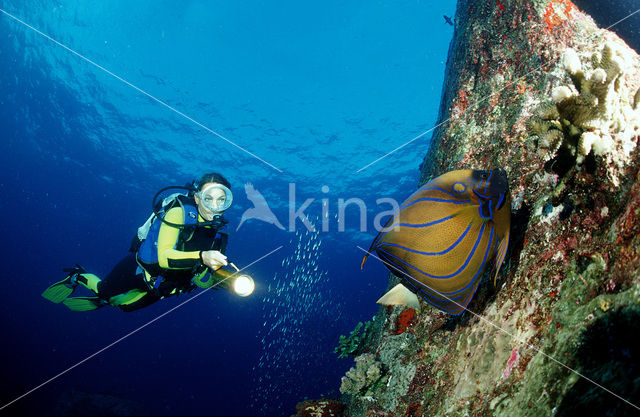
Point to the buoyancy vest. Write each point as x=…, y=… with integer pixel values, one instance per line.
x=190, y=238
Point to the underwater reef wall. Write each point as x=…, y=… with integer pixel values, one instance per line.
x=536, y=88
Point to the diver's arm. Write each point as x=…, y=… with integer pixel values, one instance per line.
x=168, y=257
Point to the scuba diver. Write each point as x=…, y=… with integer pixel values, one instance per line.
x=179, y=248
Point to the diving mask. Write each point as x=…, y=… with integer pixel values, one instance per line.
x=216, y=197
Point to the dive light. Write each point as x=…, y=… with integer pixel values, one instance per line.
x=243, y=284
x=240, y=283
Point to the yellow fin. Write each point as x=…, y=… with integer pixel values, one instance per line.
x=400, y=295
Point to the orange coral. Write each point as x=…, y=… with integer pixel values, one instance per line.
x=557, y=12
x=521, y=88
x=500, y=7
x=405, y=319
x=462, y=103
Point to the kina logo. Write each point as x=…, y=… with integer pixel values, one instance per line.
x=260, y=209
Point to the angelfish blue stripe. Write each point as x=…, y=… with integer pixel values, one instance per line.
x=441, y=307
x=466, y=262
x=432, y=297
x=477, y=275
x=480, y=195
x=410, y=225
x=382, y=236
x=396, y=268
x=437, y=302
x=431, y=253
x=426, y=224
x=475, y=190
x=488, y=181
x=417, y=285
x=417, y=225
x=501, y=200
x=424, y=187
x=437, y=200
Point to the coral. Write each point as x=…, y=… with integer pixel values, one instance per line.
x=319, y=408
x=404, y=320
x=395, y=354
x=356, y=341
x=381, y=380
x=557, y=12
x=366, y=373
x=596, y=114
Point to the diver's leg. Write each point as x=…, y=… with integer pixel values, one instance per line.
x=125, y=287
x=134, y=300
x=122, y=278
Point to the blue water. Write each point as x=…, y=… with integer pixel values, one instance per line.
x=316, y=90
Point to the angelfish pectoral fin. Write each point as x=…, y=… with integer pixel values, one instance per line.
x=400, y=295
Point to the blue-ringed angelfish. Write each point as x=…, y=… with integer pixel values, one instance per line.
x=444, y=236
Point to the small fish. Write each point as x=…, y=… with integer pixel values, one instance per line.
x=444, y=236
x=447, y=19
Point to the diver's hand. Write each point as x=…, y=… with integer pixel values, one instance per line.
x=213, y=259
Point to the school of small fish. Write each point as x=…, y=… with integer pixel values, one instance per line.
x=297, y=304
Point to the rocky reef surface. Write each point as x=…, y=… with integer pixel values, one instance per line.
x=536, y=88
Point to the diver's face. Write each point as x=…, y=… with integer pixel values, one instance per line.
x=212, y=198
